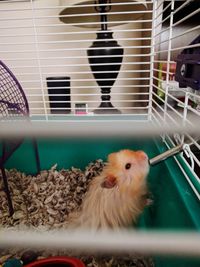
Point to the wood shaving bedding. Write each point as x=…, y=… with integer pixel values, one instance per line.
x=46, y=200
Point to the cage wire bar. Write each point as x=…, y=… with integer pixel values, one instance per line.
x=170, y=103
x=33, y=44
x=36, y=46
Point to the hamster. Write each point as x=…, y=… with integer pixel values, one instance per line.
x=117, y=196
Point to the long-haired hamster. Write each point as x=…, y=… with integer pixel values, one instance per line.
x=116, y=197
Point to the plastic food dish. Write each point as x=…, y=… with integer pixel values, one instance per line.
x=57, y=262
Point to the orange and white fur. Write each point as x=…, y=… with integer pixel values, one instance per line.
x=118, y=196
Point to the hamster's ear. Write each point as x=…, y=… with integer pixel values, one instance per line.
x=109, y=182
x=112, y=158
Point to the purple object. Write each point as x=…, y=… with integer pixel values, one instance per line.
x=13, y=103
x=12, y=98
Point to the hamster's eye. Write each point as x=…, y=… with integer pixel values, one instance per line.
x=128, y=166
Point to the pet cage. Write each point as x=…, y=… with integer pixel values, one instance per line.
x=152, y=77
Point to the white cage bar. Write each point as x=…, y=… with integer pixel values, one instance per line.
x=35, y=45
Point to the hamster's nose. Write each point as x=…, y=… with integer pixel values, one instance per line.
x=142, y=155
